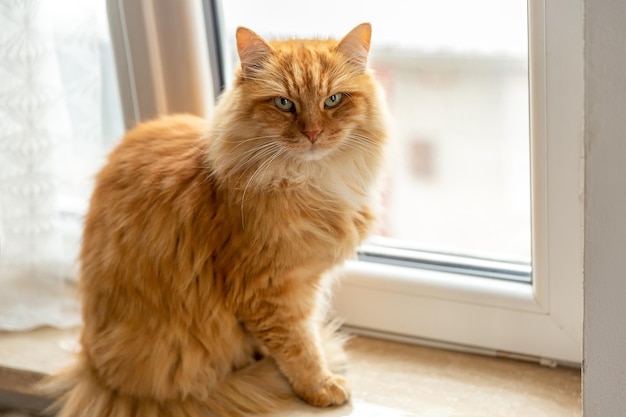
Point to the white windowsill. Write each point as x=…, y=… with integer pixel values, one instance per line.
x=387, y=378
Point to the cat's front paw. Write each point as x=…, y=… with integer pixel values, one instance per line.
x=334, y=390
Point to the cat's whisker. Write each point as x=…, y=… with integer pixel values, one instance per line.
x=362, y=138
x=259, y=155
x=278, y=153
x=265, y=165
x=242, y=141
x=242, y=161
x=239, y=155
x=355, y=146
x=267, y=145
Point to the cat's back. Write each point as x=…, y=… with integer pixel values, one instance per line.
x=153, y=159
x=159, y=146
x=155, y=184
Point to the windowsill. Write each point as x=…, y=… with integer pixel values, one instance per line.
x=387, y=378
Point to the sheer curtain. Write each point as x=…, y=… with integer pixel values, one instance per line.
x=59, y=114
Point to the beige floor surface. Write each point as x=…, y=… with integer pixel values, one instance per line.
x=387, y=378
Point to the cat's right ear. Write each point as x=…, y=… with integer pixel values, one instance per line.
x=252, y=49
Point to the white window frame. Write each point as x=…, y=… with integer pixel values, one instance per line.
x=540, y=321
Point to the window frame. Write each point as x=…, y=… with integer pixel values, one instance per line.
x=541, y=320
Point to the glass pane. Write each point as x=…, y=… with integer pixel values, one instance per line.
x=456, y=77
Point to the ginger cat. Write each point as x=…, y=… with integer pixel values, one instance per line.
x=206, y=244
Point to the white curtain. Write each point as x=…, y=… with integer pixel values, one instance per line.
x=59, y=113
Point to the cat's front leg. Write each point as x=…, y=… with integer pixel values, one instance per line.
x=297, y=350
x=293, y=340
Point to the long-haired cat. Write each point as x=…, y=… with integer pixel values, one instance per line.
x=206, y=244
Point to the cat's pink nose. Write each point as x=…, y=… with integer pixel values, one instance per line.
x=312, y=135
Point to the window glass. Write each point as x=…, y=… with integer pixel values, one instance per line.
x=456, y=80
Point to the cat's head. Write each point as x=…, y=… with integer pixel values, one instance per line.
x=300, y=104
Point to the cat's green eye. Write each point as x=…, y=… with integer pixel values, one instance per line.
x=333, y=100
x=284, y=104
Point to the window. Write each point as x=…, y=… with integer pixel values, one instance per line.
x=457, y=292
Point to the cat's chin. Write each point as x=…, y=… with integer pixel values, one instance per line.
x=314, y=153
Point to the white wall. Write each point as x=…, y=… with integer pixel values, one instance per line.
x=604, y=381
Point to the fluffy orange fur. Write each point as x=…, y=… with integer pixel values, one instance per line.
x=206, y=244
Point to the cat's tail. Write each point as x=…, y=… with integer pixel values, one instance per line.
x=256, y=389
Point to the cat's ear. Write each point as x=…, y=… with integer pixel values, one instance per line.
x=356, y=45
x=253, y=50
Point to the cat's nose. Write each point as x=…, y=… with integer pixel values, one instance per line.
x=312, y=134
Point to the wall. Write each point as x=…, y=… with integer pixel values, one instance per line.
x=604, y=381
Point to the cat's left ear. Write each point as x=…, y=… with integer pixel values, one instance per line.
x=253, y=50
x=356, y=45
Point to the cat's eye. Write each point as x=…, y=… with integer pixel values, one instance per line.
x=333, y=101
x=284, y=104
